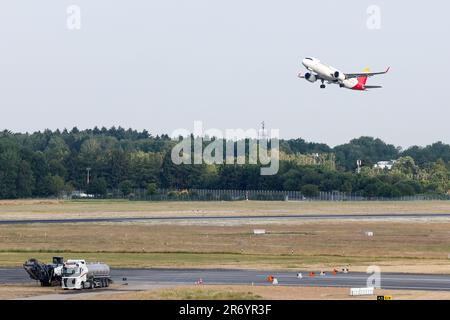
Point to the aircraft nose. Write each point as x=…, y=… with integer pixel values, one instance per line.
x=306, y=62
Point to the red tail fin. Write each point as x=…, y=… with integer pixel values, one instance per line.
x=363, y=80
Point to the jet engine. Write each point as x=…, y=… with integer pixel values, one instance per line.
x=310, y=77
x=338, y=75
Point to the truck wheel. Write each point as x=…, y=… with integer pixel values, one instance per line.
x=91, y=285
x=82, y=285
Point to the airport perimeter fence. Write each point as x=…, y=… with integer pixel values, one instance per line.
x=267, y=195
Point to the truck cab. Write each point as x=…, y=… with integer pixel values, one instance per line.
x=74, y=275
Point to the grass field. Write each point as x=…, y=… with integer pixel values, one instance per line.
x=46, y=209
x=413, y=246
x=396, y=246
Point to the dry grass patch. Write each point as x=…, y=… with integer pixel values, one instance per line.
x=235, y=292
x=299, y=245
x=46, y=209
x=16, y=291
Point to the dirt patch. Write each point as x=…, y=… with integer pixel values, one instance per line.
x=269, y=292
x=33, y=202
x=15, y=291
x=210, y=292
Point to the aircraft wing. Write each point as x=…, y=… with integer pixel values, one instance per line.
x=365, y=74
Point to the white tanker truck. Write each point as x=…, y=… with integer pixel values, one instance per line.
x=77, y=274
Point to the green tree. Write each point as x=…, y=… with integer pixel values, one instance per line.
x=440, y=177
x=367, y=149
x=405, y=166
x=9, y=160
x=126, y=187
x=25, y=180
x=98, y=187
x=310, y=190
x=404, y=188
x=39, y=164
x=152, y=188
x=54, y=185
x=57, y=148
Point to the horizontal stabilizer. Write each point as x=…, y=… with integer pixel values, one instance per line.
x=372, y=87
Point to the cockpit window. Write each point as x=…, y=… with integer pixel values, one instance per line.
x=308, y=59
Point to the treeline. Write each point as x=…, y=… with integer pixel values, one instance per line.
x=49, y=163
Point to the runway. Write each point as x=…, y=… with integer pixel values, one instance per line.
x=247, y=277
x=380, y=216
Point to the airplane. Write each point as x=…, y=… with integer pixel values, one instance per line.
x=323, y=72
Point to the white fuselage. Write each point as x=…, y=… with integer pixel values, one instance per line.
x=328, y=73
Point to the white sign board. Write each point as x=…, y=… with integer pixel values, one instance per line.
x=361, y=291
x=259, y=231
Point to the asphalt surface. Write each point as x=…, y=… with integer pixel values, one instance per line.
x=380, y=216
x=247, y=277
